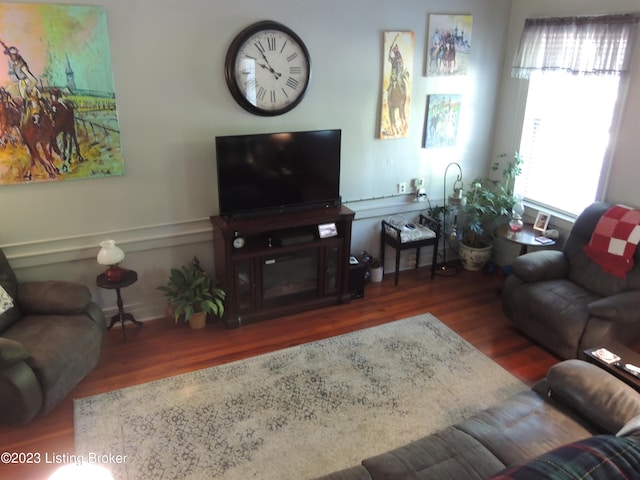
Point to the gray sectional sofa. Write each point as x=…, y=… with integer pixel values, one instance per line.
x=576, y=402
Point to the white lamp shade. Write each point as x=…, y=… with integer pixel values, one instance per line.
x=110, y=253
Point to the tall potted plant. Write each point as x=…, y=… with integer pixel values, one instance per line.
x=191, y=295
x=486, y=203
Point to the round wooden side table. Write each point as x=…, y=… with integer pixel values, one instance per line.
x=525, y=238
x=128, y=278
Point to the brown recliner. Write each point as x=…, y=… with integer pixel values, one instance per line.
x=566, y=302
x=49, y=340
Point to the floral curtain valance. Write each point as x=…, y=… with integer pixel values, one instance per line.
x=587, y=45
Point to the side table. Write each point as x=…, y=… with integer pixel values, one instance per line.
x=128, y=278
x=525, y=238
x=626, y=356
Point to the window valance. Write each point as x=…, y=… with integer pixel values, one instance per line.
x=586, y=45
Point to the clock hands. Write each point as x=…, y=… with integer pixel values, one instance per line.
x=268, y=65
x=276, y=74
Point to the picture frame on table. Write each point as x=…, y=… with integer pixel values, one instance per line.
x=542, y=222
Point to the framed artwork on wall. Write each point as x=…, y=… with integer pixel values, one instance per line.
x=397, y=76
x=57, y=97
x=441, y=124
x=449, y=45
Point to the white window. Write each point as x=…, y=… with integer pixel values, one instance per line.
x=564, y=140
x=575, y=67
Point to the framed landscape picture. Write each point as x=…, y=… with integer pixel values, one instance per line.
x=443, y=116
x=449, y=45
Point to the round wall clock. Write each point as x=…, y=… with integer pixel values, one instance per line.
x=267, y=68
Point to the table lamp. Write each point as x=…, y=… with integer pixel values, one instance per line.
x=110, y=254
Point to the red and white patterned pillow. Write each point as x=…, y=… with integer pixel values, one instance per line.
x=615, y=239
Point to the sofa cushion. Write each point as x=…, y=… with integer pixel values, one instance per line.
x=449, y=454
x=63, y=350
x=593, y=393
x=554, y=313
x=53, y=297
x=525, y=426
x=603, y=457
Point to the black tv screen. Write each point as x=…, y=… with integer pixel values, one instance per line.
x=265, y=174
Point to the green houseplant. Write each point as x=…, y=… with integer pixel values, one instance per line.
x=191, y=295
x=485, y=204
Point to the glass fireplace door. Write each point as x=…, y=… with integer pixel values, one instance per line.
x=290, y=277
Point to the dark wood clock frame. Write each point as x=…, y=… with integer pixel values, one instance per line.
x=230, y=62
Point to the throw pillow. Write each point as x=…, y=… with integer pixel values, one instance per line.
x=603, y=457
x=6, y=302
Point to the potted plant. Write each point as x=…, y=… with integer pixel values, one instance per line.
x=485, y=204
x=191, y=295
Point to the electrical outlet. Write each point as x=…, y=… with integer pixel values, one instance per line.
x=402, y=187
x=418, y=182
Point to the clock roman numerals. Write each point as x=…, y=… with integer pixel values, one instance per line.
x=292, y=83
x=267, y=68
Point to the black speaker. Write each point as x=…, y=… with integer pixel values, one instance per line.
x=357, y=273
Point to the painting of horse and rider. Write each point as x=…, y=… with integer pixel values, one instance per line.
x=58, y=117
x=449, y=45
x=396, y=84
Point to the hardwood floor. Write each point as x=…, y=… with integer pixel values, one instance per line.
x=468, y=303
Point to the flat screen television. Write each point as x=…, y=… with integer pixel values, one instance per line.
x=272, y=173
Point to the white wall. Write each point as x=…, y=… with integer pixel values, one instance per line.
x=172, y=100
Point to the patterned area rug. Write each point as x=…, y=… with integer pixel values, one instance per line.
x=296, y=413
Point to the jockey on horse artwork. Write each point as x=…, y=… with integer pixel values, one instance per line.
x=397, y=91
x=38, y=121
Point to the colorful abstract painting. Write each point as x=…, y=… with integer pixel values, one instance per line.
x=58, y=117
x=449, y=45
x=443, y=116
x=396, y=84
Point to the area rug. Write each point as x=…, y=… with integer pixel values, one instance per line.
x=296, y=413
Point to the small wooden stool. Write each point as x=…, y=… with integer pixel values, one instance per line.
x=401, y=237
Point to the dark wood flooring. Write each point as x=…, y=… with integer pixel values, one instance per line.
x=468, y=303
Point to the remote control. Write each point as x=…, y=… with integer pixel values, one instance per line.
x=629, y=368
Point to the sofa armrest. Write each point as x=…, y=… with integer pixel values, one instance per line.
x=95, y=313
x=594, y=394
x=11, y=352
x=621, y=307
x=53, y=297
x=20, y=394
x=541, y=265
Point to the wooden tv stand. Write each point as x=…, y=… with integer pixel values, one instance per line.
x=284, y=266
